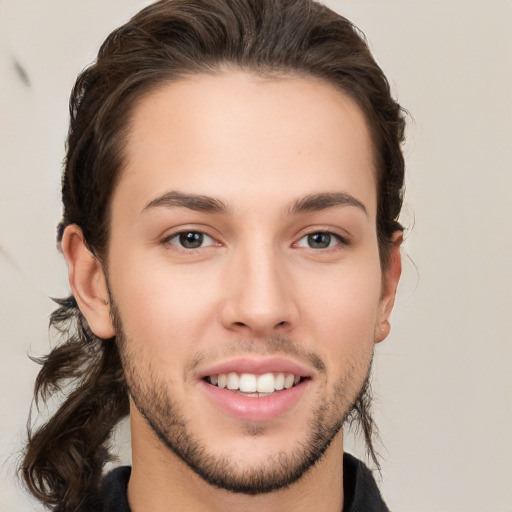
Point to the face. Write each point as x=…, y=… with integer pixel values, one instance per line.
x=244, y=269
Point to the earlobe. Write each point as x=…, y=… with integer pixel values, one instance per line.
x=88, y=282
x=390, y=279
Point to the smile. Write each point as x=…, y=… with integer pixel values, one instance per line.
x=252, y=389
x=259, y=385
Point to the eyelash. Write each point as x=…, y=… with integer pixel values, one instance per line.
x=178, y=245
x=344, y=241
x=169, y=240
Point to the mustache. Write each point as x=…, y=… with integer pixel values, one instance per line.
x=271, y=346
x=275, y=345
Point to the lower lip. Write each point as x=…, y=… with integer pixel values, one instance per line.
x=255, y=408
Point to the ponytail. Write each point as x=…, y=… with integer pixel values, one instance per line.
x=64, y=457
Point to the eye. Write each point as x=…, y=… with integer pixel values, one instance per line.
x=320, y=240
x=191, y=240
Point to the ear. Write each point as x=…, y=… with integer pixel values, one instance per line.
x=88, y=282
x=390, y=278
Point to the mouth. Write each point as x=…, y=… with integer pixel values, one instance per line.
x=252, y=389
x=255, y=385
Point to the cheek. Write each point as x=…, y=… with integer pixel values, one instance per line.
x=160, y=304
x=343, y=310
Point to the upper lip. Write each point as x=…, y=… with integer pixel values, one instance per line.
x=256, y=366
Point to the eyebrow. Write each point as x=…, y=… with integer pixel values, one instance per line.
x=201, y=203
x=324, y=200
x=195, y=202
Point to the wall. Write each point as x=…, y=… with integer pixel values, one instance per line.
x=443, y=377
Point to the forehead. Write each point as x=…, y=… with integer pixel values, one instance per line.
x=235, y=135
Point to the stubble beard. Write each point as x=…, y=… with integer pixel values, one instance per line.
x=166, y=419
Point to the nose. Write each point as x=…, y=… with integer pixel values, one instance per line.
x=259, y=295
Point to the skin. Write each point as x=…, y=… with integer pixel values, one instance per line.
x=260, y=146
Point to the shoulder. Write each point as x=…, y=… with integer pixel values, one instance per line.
x=360, y=489
x=114, y=490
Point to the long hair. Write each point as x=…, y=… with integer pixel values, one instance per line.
x=168, y=40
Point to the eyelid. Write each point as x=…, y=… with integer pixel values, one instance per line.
x=167, y=239
x=342, y=236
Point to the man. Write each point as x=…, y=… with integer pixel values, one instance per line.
x=231, y=192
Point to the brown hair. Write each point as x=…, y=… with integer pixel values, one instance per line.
x=166, y=41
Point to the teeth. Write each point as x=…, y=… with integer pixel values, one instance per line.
x=251, y=383
x=266, y=383
x=289, y=380
x=279, y=384
x=222, y=380
x=248, y=383
x=233, y=381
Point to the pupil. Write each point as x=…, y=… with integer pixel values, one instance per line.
x=319, y=240
x=191, y=240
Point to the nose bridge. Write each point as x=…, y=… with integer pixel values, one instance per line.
x=260, y=296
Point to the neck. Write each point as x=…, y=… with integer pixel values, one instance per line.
x=160, y=478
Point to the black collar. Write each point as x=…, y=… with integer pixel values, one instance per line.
x=361, y=493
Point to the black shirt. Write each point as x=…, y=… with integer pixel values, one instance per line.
x=361, y=493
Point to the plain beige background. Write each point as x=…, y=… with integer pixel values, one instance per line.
x=443, y=378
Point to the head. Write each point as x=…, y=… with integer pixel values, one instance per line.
x=183, y=66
